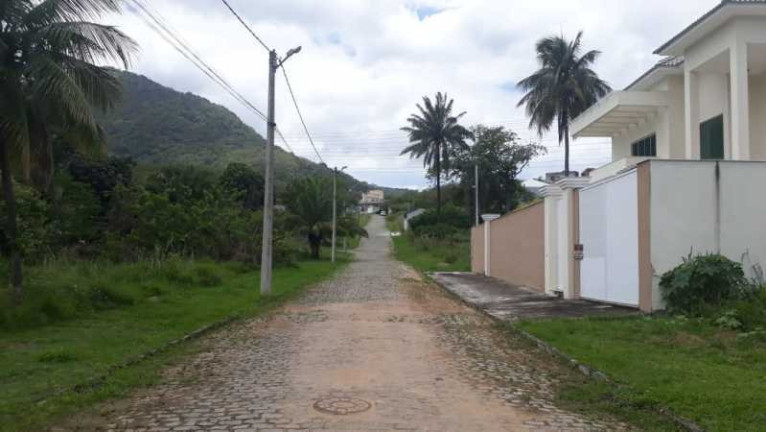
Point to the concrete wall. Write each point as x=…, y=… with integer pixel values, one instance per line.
x=517, y=247
x=698, y=208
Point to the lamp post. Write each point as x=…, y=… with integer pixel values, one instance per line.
x=268, y=196
x=335, y=206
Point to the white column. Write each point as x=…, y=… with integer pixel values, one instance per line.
x=691, y=114
x=552, y=196
x=486, y=248
x=740, y=102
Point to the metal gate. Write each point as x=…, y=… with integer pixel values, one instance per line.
x=609, y=235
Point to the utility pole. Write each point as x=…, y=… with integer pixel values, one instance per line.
x=268, y=196
x=476, y=191
x=335, y=172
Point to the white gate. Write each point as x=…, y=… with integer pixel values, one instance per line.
x=609, y=235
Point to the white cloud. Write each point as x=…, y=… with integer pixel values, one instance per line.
x=366, y=63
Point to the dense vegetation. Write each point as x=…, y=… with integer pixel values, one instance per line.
x=98, y=212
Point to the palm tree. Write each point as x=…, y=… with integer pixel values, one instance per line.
x=435, y=135
x=49, y=85
x=562, y=88
x=310, y=202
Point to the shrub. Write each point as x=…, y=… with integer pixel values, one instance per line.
x=702, y=284
x=451, y=216
x=746, y=314
x=439, y=231
x=208, y=275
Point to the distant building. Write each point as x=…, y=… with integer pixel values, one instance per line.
x=372, y=201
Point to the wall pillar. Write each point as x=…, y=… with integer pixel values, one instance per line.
x=551, y=194
x=487, y=250
x=568, y=232
x=740, y=102
x=691, y=114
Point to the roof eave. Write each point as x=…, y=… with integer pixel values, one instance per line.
x=675, y=45
x=667, y=47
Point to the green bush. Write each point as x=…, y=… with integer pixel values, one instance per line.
x=439, y=231
x=455, y=218
x=208, y=275
x=746, y=314
x=32, y=222
x=703, y=284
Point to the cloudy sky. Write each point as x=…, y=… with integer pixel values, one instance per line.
x=366, y=63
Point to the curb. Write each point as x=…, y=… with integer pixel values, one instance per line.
x=584, y=369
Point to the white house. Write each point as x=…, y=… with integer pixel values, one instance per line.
x=372, y=201
x=687, y=171
x=706, y=99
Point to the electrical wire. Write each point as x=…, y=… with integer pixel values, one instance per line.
x=300, y=115
x=247, y=27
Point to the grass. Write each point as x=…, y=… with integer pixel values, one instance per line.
x=433, y=255
x=711, y=376
x=395, y=222
x=42, y=365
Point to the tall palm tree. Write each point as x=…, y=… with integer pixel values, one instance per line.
x=49, y=84
x=436, y=135
x=563, y=87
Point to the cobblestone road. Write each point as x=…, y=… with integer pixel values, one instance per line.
x=375, y=349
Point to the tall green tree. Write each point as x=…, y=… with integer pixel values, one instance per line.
x=49, y=84
x=436, y=136
x=501, y=157
x=563, y=87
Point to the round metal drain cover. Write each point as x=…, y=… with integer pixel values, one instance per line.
x=341, y=405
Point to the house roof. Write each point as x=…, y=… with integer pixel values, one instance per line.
x=715, y=17
x=660, y=68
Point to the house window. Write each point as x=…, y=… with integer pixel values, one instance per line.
x=645, y=146
x=711, y=138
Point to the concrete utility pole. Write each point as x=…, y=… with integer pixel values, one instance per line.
x=476, y=191
x=268, y=196
x=335, y=172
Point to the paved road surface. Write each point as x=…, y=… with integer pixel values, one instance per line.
x=375, y=349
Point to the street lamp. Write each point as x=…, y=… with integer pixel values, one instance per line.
x=268, y=196
x=335, y=206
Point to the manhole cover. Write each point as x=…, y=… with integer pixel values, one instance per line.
x=341, y=405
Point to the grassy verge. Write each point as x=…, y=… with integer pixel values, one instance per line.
x=395, y=222
x=708, y=375
x=41, y=367
x=433, y=255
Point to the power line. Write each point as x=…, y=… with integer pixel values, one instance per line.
x=300, y=115
x=282, y=137
x=247, y=27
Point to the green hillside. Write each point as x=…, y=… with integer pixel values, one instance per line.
x=156, y=126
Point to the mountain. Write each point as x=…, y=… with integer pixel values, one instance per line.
x=156, y=126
